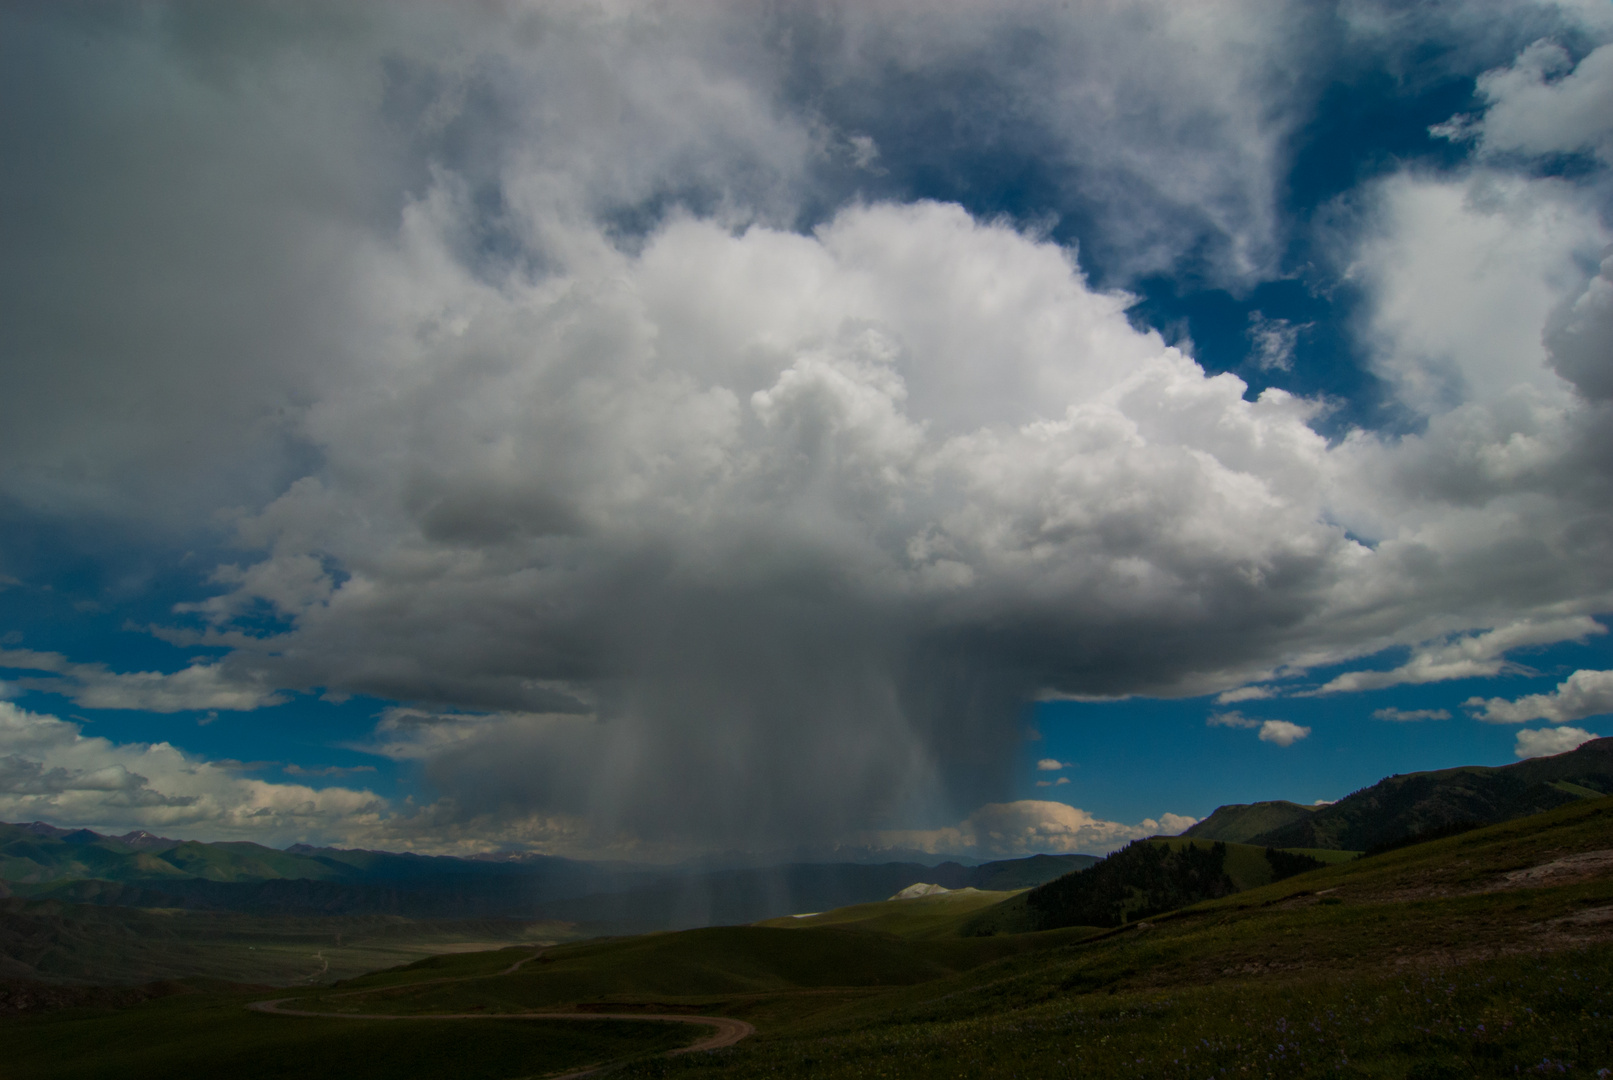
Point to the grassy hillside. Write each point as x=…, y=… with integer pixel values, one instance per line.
x=1239, y=823
x=942, y=915
x=1486, y=954
x=207, y=1033
x=1461, y=957
x=1143, y=879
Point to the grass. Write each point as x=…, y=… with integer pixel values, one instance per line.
x=1507, y=1017
x=1424, y=963
x=69, y=943
x=212, y=1034
x=920, y=917
x=1245, y=866
x=691, y=970
x=1242, y=823
x=1322, y=854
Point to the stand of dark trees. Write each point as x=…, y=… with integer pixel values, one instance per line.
x=1140, y=880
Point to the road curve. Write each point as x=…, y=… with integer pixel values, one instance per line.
x=727, y=1031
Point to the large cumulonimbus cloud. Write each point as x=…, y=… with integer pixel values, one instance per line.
x=550, y=400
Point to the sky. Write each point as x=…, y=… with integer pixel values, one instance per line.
x=658, y=430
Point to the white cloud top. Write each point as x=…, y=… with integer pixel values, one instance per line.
x=1545, y=742
x=1582, y=694
x=1283, y=732
x=1029, y=826
x=1543, y=102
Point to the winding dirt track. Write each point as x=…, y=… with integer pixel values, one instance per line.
x=726, y=1030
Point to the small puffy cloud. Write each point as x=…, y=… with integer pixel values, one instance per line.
x=1543, y=103
x=408, y=734
x=1544, y=742
x=1053, y=783
x=864, y=152
x=1032, y=826
x=1244, y=693
x=289, y=584
x=1469, y=656
x=200, y=686
x=1282, y=732
x=1584, y=693
x=1048, y=764
x=1272, y=341
x=1410, y=716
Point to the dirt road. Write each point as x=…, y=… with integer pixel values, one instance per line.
x=726, y=1030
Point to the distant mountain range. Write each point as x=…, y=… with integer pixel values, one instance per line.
x=39, y=861
x=1412, y=804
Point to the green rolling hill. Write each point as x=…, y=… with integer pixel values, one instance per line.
x=941, y=915
x=1240, y=823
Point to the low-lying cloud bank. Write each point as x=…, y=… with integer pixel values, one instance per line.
x=1028, y=826
x=50, y=770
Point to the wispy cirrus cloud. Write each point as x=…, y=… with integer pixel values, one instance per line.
x=203, y=685
x=1410, y=716
x=1467, y=656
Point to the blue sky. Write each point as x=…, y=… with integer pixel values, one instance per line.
x=622, y=432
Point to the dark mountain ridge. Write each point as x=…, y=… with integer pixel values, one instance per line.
x=1411, y=804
